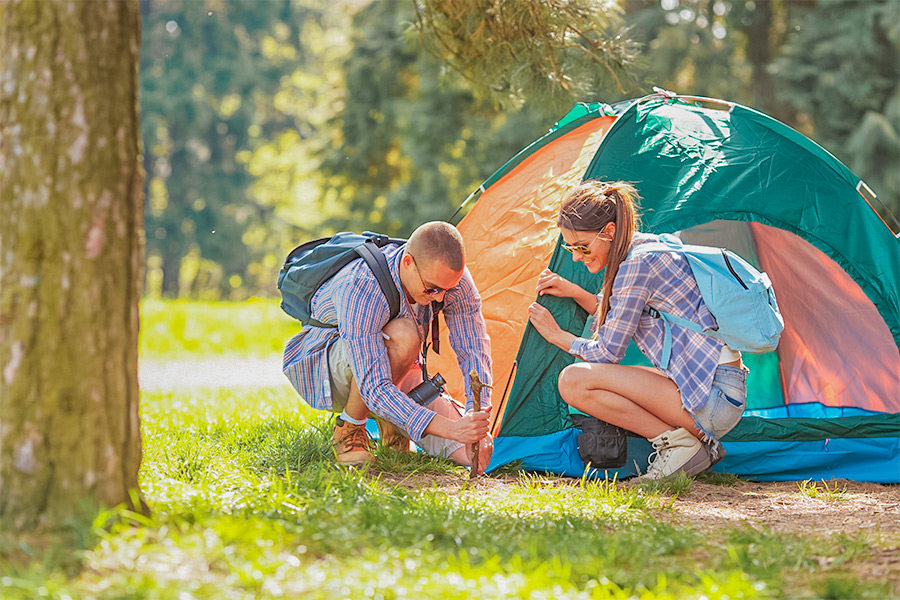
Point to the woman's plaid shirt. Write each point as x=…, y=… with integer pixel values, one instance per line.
x=354, y=300
x=663, y=281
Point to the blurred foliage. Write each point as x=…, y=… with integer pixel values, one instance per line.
x=841, y=68
x=410, y=144
x=554, y=52
x=225, y=107
x=270, y=123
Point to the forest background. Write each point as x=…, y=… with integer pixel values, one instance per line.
x=268, y=123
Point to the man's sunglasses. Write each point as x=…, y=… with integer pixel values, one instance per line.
x=583, y=250
x=428, y=291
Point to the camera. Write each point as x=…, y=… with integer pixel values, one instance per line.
x=428, y=390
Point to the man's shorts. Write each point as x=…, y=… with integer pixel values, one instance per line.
x=340, y=374
x=726, y=403
x=341, y=377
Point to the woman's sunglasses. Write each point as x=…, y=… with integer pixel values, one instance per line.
x=584, y=250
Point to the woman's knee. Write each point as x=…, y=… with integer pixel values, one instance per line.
x=402, y=341
x=572, y=384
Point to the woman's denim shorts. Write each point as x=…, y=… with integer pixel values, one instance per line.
x=726, y=403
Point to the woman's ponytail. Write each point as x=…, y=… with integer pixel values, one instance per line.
x=625, y=197
x=592, y=206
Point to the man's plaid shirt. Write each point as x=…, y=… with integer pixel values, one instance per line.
x=354, y=300
x=662, y=281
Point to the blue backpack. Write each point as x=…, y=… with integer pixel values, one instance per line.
x=310, y=265
x=739, y=296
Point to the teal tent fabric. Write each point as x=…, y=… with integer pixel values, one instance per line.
x=693, y=165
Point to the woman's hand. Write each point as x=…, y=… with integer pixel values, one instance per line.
x=552, y=284
x=546, y=325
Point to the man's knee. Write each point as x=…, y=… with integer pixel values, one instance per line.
x=402, y=342
x=444, y=407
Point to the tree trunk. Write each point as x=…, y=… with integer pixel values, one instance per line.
x=71, y=246
x=759, y=54
x=766, y=33
x=171, y=268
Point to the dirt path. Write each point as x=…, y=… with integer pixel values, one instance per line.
x=854, y=508
x=781, y=507
x=860, y=508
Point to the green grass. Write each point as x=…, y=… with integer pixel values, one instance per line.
x=674, y=485
x=246, y=502
x=832, y=493
x=182, y=329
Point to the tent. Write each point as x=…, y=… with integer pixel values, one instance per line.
x=825, y=404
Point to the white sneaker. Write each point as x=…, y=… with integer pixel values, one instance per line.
x=676, y=451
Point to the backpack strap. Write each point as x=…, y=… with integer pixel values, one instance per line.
x=669, y=318
x=667, y=243
x=379, y=267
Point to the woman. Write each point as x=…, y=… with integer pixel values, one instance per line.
x=700, y=395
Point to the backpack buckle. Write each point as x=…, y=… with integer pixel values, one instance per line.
x=379, y=239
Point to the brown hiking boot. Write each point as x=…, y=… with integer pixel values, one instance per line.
x=352, y=446
x=392, y=436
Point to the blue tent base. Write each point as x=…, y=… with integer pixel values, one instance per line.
x=874, y=460
x=557, y=453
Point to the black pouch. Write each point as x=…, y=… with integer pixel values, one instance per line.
x=602, y=445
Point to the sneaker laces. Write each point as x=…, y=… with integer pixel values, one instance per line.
x=653, y=462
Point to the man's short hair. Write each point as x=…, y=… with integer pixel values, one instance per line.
x=438, y=241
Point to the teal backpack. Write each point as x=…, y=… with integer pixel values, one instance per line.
x=310, y=265
x=739, y=296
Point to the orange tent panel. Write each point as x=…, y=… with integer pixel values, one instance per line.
x=510, y=234
x=836, y=349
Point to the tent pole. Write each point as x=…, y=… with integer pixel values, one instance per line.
x=479, y=190
x=496, y=416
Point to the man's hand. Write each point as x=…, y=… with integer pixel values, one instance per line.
x=447, y=423
x=471, y=427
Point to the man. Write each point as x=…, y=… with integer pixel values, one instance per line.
x=355, y=368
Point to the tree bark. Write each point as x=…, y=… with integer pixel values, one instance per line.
x=71, y=256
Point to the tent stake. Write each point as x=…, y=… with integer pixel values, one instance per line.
x=476, y=402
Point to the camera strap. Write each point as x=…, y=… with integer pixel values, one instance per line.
x=433, y=326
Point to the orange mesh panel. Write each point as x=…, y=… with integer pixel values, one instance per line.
x=836, y=349
x=510, y=234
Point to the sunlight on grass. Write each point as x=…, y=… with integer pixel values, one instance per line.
x=175, y=328
x=534, y=497
x=672, y=486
